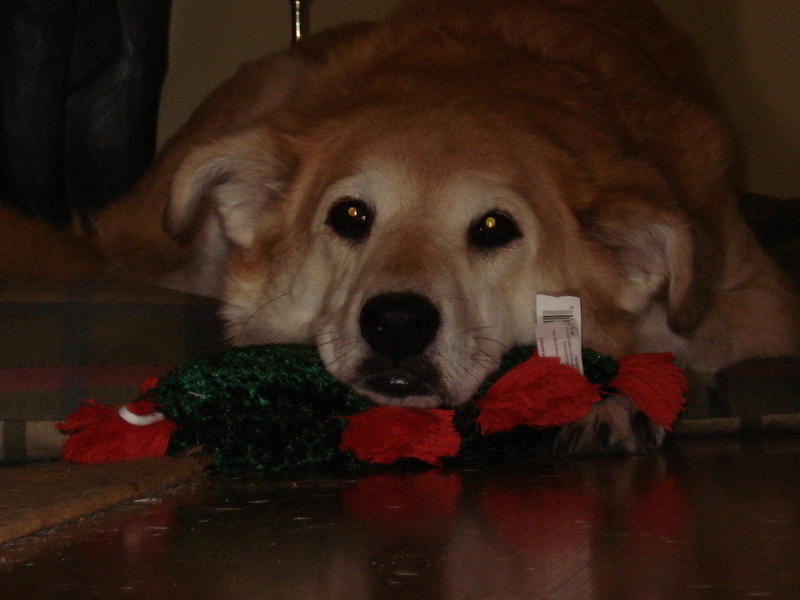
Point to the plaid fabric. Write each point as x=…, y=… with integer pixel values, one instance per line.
x=60, y=344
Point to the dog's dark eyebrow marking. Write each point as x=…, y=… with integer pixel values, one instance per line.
x=587, y=218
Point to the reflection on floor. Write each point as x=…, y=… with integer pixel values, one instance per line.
x=715, y=518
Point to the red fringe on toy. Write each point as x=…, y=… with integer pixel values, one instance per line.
x=98, y=434
x=384, y=434
x=655, y=385
x=541, y=392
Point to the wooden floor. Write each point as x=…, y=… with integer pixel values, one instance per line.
x=704, y=519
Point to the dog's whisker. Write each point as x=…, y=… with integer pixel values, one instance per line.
x=326, y=338
x=480, y=328
x=493, y=341
x=455, y=367
x=451, y=297
x=245, y=324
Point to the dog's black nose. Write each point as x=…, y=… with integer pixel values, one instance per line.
x=399, y=325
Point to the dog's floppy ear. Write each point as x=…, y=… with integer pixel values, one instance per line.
x=237, y=181
x=663, y=255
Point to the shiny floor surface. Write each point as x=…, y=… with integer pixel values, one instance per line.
x=704, y=519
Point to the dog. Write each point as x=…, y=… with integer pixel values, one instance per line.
x=398, y=193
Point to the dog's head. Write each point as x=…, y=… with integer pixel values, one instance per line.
x=409, y=245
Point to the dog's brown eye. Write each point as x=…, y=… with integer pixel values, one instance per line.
x=493, y=230
x=351, y=218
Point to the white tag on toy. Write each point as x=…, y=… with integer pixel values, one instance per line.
x=558, y=328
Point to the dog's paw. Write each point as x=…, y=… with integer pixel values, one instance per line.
x=614, y=426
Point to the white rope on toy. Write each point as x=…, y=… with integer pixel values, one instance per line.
x=140, y=420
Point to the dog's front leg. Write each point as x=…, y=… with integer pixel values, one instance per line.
x=614, y=426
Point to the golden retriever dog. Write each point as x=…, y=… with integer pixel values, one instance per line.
x=398, y=193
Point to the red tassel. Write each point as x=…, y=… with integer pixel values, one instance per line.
x=148, y=385
x=99, y=434
x=655, y=385
x=384, y=434
x=541, y=392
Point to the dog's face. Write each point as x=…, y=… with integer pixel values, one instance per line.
x=410, y=253
x=415, y=308
x=425, y=267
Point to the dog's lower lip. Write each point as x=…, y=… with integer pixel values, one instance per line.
x=397, y=384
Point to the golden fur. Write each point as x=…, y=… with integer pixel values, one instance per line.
x=588, y=124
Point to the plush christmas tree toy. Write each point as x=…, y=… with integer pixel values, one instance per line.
x=270, y=408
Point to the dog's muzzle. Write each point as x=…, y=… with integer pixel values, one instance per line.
x=399, y=327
